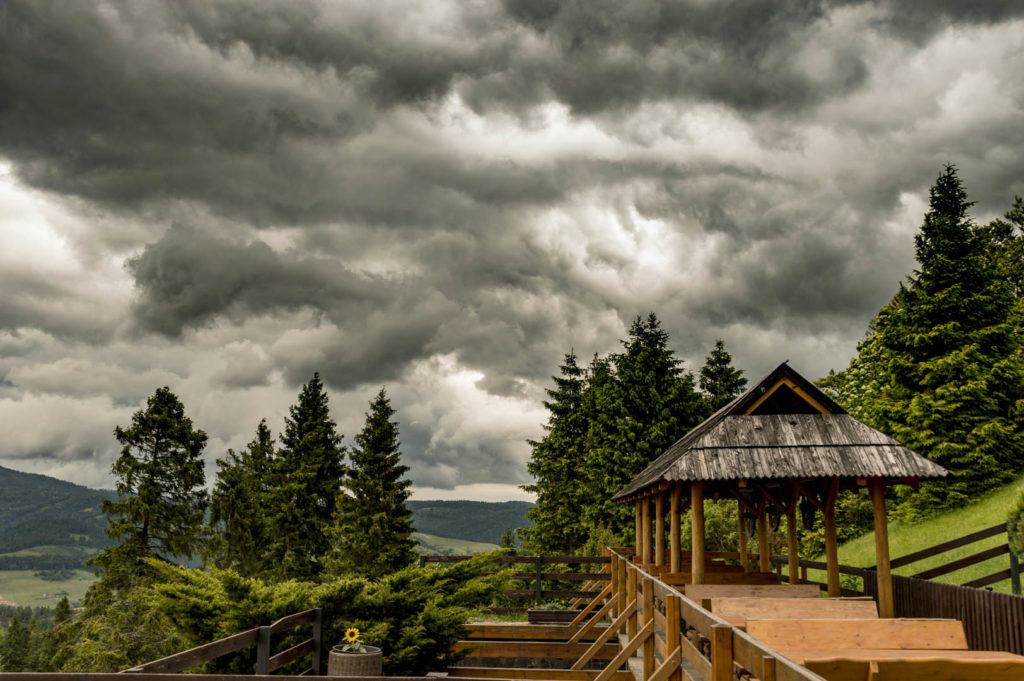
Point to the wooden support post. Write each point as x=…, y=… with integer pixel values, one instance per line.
x=721, y=652
x=318, y=640
x=645, y=555
x=648, y=601
x=616, y=587
x=659, y=529
x=540, y=586
x=631, y=626
x=1014, y=569
x=673, y=630
x=675, y=548
x=621, y=580
x=793, y=550
x=831, y=545
x=768, y=668
x=744, y=559
x=697, y=531
x=263, y=652
x=764, y=562
x=638, y=533
x=883, y=574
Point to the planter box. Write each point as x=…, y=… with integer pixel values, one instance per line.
x=340, y=663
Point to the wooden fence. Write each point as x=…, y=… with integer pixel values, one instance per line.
x=261, y=637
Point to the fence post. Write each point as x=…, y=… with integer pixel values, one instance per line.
x=263, y=652
x=1014, y=568
x=318, y=640
x=721, y=652
x=631, y=627
x=648, y=616
x=423, y=559
x=540, y=573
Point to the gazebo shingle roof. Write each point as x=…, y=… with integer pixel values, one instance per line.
x=733, y=444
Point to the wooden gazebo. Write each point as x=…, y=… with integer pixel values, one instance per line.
x=780, y=441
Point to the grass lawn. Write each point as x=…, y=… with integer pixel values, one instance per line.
x=23, y=588
x=903, y=539
x=433, y=545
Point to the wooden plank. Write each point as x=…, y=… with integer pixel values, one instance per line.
x=521, y=631
x=698, y=592
x=592, y=622
x=716, y=577
x=627, y=651
x=178, y=662
x=721, y=653
x=668, y=668
x=947, y=670
x=693, y=655
x=536, y=649
x=562, y=576
x=291, y=654
x=947, y=546
x=994, y=578
x=582, y=615
x=550, y=593
x=972, y=559
x=737, y=611
x=292, y=621
x=529, y=674
x=823, y=635
x=590, y=652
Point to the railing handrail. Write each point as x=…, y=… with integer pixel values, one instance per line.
x=258, y=636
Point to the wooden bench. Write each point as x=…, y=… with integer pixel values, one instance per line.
x=724, y=577
x=736, y=611
x=910, y=665
x=804, y=637
x=698, y=592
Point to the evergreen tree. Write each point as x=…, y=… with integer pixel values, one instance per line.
x=556, y=463
x=719, y=380
x=161, y=501
x=237, y=505
x=649, y=404
x=14, y=653
x=941, y=369
x=374, y=529
x=305, y=480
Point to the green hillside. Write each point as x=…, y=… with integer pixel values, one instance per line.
x=903, y=539
x=479, y=521
x=431, y=545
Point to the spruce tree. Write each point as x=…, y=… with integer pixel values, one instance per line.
x=556, y=463
x=305, y=480
x=719, y=380
x=161, y=500
x=14, y=653
x=942, y=371
x=374, y=528
x=239, y=500
x=650, y=403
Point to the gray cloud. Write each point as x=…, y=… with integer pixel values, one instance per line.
x=445, y=197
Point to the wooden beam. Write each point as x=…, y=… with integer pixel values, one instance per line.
x=744, y=559
x=585, y=629
x=645, y=554
x=831, y=544
x=884, y=576
x=675, y=541
x=721, y=652
x=627, y=652
x=793, y=549
x=649, y=621
x=659, y=529
x=763, y=550
x=697, y=531
x=605, y=592
x=598, y=645
x=631, y=573
x=638, y=534
x=673, y=635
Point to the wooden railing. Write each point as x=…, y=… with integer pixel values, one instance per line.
x=261, y=637
x=680, y=639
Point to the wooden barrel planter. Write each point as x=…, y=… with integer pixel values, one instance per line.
x=351, y=663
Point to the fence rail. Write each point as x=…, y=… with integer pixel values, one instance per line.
x=258, y=636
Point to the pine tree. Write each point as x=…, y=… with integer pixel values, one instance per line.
x=305, y=480
x=650, y=403
x=556, y=463
x=237, y=505
x=14, y=653
x=719, y=380
x=161, y=500
x=374, y=529
x=949, y=350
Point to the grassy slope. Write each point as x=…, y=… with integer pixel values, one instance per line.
x=904, y=539
x=433, y=545
x=21, y=587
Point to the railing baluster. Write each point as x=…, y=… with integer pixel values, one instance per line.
x=263, y=652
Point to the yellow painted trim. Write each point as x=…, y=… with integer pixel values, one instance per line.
x=795, y=388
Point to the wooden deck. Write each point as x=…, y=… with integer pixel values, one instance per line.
x=644, y=629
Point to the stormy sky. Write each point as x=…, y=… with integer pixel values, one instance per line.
x=445, y=196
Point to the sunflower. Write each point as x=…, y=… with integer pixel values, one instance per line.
x=351, y=635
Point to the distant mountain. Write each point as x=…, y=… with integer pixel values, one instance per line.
x=479, y=521
x=37, y=510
